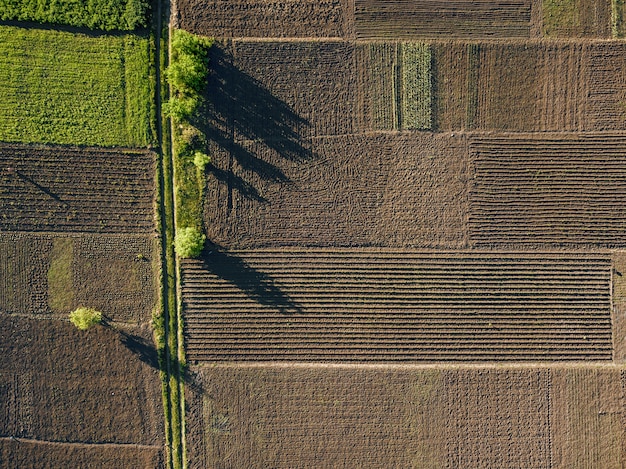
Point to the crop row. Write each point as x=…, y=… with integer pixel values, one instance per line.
x=552, y=190
x=360, y=305
x=441, y=18
x=61, y=189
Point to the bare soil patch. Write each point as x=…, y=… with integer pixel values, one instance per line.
x=442, y=18
x=266, y=18
x=46, y=455
x=61, y=384
x=403, y=417
x=363, y=305
x=563, y=189
x=48, y=188
x=379, y=190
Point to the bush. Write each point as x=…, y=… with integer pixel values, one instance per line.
x=189, y=242
x=84, y=318
x=201, y=160
x=180, y=108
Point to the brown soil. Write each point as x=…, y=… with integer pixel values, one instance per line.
x=381, y=305
x=442, y=18
x=476, y=418
x=46, y=455
x=383, y=190
x=531, y=189
x=266, y=18
x=61, y=384
x=76, y=189
x=112, y=274
x=532, y=86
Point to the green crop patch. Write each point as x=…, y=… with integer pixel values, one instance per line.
x=96, y=14
x=416, y=111
x=383, y=59
x=68, y=88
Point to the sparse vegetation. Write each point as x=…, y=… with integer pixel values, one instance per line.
x=95, y=14
x=85, y=318
x=189, y=242
x=416, y=113
x=69, y=88
x=60, y=281
x=560, y=17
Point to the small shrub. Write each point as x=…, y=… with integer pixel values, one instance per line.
x=201, y=160
x=189, y=242
x=85, y=318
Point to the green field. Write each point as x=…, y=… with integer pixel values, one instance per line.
x=70, y=88
x=97, y=14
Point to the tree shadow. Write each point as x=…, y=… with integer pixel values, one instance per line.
x=143, y=348
x=41, y=188
x=256, y=284
x=239, y=112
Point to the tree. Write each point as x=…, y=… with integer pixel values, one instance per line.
x=189, y=242
x=84, y=318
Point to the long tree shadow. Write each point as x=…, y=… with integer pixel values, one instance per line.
x=143, y=348
x=256, y=284
x=239, y=113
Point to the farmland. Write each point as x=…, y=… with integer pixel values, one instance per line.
x=70, y=88
x=415, y=236
x=406, y=416
x=72, y=189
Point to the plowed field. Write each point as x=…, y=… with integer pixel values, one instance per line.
x=405, y=19
x=76, y=189
x=265, y=18
x=375, y=417
x=372, y=305
x=561, y=189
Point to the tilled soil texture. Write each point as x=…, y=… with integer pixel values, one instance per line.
x=328, y=417
x=405, y=19
x=76, y=189
x=529, y=86
x=560, y=189
x=61, y=384
x=266, y=18
x=43, y=274
x=387, y=306
x=46, y=455
x=378, y=190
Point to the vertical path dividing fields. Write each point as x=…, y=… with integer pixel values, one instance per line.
x=171, y=355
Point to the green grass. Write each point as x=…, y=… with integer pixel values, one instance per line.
x=96, y=14
x=61, y=276
x=416, y=80
x=560, y=17
x=68, y=88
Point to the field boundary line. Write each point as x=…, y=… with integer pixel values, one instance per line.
x=591, y=365
x=80, y=444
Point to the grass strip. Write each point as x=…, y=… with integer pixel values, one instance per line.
x=68, y=88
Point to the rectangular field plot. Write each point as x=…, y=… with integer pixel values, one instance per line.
x=280, y=91
x=566, y=189
x=76, y=189
x=382, y=190
x=30, y=453
x=405, y=19
x=69, y=88
x=530, y=86
x=60, y=384
x=360, y=305
x=374, y=417
x=265, y=18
